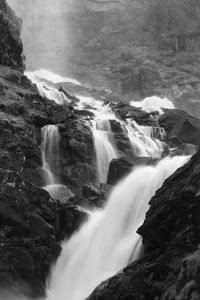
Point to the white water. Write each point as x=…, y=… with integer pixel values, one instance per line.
x=51, y=77
x=50, y=151
x=108, y=241
x=50, y=159
x=143, y=140
x=154, y=103
x=105, y=151
x=45, y=81
x=59, y=191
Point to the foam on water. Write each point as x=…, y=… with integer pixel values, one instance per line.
x=154, y=103
x=45, y=81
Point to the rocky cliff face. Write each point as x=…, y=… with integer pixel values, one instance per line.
x=32, y=223
x=10, y=43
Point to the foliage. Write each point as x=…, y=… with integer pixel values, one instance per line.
x=165, y=16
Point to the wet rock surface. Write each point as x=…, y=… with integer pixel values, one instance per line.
x=32, y=226
x=32, y=223
x=94, y=195
x=77, y=155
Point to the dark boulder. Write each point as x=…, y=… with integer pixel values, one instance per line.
x=125, y=111
x=94, y=195
x=77, y=155
x=116, y=126
x=120, y=167
x=180, y=127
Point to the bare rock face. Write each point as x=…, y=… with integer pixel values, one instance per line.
x=10, y=42
x=32, y=224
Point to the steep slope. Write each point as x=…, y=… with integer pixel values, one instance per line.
x=31, y=223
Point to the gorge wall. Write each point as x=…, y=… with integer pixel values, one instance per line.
x=32, y=224
x=126, y=57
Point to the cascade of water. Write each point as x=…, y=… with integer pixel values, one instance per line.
x=50, y=158
x=143, y=141
x=154, y=132
x=108, y=239
x=105, y=151
x=44, y=81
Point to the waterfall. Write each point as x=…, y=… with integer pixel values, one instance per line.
x=45, y=81
x=154, y=132
x=50, y=159
x=108, y=241
x=50, y=152
x=144, y=140
x=104, y=149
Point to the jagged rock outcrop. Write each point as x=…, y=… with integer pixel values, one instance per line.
x=171, y=230
x=31, y=227
x=32, y=224
x=77, y=155
x=125, y=111
x=10, y=42
x=94, y=195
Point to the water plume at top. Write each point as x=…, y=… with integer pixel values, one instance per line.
x=46, y=32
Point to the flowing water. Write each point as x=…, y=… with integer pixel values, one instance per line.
x=50, y=159
x=144, y=141
x=105, y=151
x=44, y=81
x=108, y=241
x=50, y=152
